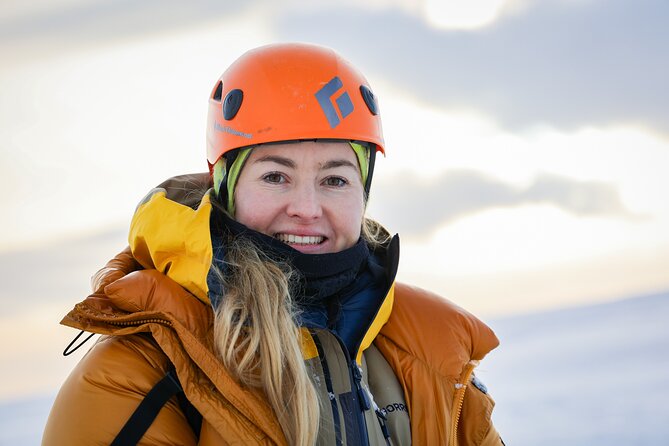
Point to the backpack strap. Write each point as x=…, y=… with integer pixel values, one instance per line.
x=147, y=411
x=193, y=416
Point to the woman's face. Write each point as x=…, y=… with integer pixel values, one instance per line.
x=309, y=195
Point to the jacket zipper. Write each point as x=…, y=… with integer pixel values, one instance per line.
x=460, y=387
x=140, y=322
x=97, y=316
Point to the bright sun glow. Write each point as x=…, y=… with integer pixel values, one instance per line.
x=462, y=14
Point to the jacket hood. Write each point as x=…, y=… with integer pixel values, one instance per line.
x=174, y=239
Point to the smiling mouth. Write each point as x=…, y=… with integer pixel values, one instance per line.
x=300, y=240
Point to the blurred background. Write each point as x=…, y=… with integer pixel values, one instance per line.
x=527, y=172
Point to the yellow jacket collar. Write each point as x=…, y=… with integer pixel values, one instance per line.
x=174, y=239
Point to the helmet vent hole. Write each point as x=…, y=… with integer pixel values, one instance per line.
x=233, y=100
x=370, y=99
x=218, y=93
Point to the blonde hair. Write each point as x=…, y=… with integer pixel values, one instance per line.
x=374, y=234
x=257, y=338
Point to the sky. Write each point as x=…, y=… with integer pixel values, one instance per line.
x=527, y=140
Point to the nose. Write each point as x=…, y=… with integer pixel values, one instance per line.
x=304, y=203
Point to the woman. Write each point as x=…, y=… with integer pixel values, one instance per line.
x=265, y=292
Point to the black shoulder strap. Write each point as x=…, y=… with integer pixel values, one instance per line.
x=193, y=416
x=147, y=411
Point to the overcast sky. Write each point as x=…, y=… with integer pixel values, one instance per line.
x=527, y=140
x=562, y=63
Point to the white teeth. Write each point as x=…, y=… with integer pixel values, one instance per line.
x=299, y=240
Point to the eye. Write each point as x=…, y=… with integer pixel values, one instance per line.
x=274, y=178
x=335, y=182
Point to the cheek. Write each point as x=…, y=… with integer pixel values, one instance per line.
x=251, y=210
x=349, y=221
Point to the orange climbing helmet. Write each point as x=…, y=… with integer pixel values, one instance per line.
x=288, y=92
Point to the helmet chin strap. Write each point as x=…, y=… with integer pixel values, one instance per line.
x=370, y=169
x=221, y=172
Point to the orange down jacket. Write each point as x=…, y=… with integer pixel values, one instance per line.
x=152, y=320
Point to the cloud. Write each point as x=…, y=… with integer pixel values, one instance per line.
x=562, y=63
x=55, y=272
x=66, y=24
x=414, y=207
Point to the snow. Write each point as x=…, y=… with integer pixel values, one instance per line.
x=22, y=421
x=591, y=376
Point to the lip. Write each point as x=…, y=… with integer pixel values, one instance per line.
x=301, y=232
x=322, y=248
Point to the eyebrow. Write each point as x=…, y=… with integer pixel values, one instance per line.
x=331, y=164
x=338, y=163
x=276, y=159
